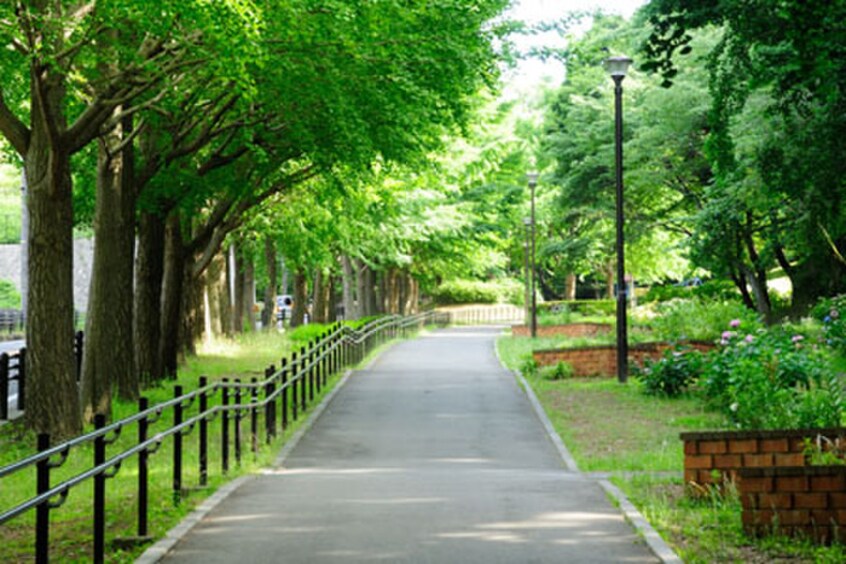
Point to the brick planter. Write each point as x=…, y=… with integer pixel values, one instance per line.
x=712, y=457
x=805, y=501
x=601, y=360
x=572, y=330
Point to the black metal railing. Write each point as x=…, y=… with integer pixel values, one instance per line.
x=13, y=371
x=285, y=394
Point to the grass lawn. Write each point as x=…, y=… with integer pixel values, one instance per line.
x=609, y=427
x=71, y=530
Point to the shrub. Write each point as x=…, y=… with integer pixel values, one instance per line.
x=560, y=371
x=529, y=366
x=478, y=292
x=9, y=296
x=666, y=293
x=770, y=379
x=831, y=312
x=679, y=320
x=717, y=290
x=582, y=307
x=671, y=375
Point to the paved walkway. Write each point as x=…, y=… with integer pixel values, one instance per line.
x=433, y=454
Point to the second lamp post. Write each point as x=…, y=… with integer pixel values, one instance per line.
x=617, y=68
x=532, y=178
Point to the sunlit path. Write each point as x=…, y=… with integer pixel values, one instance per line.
x=431, y=455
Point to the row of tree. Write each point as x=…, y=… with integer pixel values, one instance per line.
x=170, y=123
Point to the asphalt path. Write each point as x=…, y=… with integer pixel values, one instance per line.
x=433, y=454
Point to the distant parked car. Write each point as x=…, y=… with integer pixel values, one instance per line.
x=284, y=306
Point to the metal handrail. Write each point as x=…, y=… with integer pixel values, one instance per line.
x=326, y=354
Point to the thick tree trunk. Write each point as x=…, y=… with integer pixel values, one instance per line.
x=149, y=271
x=370, y=298
x=348, y=282
x=759, y=291
x=318, y=308
x=570, y=287
x=300, y=299
x=268, y=316
x=192, y=312
x=413, y=297
x=332, y=299
x=108, y=362
x=171, y=296
x=214, y=307
x=53, y=397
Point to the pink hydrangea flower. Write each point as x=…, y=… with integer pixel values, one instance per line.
x=734, y=323
x=797, y=338
x=749, y=338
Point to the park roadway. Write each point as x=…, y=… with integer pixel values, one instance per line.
x=432, y=454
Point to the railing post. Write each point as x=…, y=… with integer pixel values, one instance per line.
x=22, y=379
x=303, y=379
x=177, y=447
x=326, y=361
x=284, y=395
x=269, y=406
x=224, y=426
x=204, y=432
x=254, y=416
x=238, y=416
x=311, y=371
x=294, y=384
x=4, y=386
x=42, y=512
x=99, y=492
x=143, y=424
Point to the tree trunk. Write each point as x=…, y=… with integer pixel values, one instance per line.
x=759, y=291
x=53, y=397
x=413, y=297
x=570, y=287
x=249, y=295
x=609, y=281
x=238, y=306
x=192, y=312
x=149, y=271
x=370, y=298
x=361, y=289
x=224, y=296
x=318, y=310
x=171, y=296
x=300, y=298
x=214, y=305
x=268, y=316
x=108, y=362
x=348, y=282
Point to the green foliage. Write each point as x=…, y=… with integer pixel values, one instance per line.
x=582, y=307
x=771, y=379
x=831, y=312
x=667, y=293
x=476, y=292
x=529, y=366
x=672, y=374
x=9, y=296
x=560, y=371
x=679, y=320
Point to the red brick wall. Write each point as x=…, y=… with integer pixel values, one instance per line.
x=712, y=457
x=798, y=501
x=571, y=330
x=601, y=360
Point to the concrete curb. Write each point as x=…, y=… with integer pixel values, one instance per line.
x=653, y=540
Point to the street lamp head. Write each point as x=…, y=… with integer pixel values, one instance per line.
x=616, y=67
x=532, y=178
x=527, y=221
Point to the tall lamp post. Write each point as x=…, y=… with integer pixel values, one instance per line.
x=532, y=178
x=527, y=222
x=616, y=68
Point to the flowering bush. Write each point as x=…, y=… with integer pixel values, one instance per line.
x=672, y=374
x=770, y=379
x=832, y=313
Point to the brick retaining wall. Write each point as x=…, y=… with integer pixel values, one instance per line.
x=571, y=330
x=601, y=360
x=712, y=457
x=797, y=501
